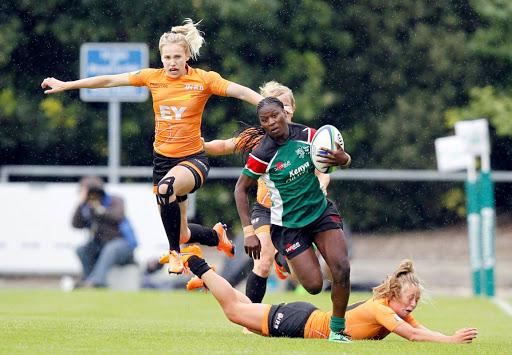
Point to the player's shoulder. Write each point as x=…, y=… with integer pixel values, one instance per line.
x=206, y=75
x=266, y=149
x=297, y=126
x=381, y=306
x=301, y=132
x=148, y=72
x=147, y=75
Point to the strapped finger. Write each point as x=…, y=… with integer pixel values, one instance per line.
x=327, y=150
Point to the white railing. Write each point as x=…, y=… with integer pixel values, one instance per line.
x=8, y=171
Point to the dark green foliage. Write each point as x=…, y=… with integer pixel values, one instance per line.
x=385, y=73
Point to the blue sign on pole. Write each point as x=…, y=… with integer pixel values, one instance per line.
x=113, y=58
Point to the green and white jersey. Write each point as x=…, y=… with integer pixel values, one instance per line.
x=289, y=175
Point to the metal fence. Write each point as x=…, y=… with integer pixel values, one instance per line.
x=7, y=172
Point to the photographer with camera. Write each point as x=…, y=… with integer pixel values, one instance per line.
x=112, y=240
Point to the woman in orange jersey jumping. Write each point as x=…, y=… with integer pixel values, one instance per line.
x=256, y=284
x=180, y=165
x=389, y=310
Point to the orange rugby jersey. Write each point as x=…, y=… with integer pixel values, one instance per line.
x=178, y=105
x=373, y=319
x=263, y=195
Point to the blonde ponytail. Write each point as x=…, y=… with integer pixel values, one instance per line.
x=402, y=278
x=188, y=35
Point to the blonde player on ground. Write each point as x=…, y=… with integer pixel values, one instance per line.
x=180, y=165
x=388, y=311
x=256, y=284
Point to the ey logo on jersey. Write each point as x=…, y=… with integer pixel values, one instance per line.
x=171, y=112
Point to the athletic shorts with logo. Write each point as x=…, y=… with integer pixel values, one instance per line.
x=198, y=165
x=260, y=216
x=289, y=319
x=290, y=242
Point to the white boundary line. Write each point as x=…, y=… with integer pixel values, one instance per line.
x=503, y=305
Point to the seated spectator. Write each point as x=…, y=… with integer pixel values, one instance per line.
x=112, y=240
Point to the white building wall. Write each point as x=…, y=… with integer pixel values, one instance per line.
x=36, y=236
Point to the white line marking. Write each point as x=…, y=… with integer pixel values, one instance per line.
x=505, y=306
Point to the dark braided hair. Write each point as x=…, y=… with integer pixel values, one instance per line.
x=248, y=139
x=251, y=136
x=269, y=100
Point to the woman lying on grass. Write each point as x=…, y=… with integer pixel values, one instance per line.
x=389, y=310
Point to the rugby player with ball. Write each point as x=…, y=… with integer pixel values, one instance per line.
x=300, y=213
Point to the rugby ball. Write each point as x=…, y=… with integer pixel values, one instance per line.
x=325, y=137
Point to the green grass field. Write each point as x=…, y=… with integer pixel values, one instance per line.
x=50, y=321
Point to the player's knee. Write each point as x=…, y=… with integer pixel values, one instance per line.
x=314, y=287
x=182, y=198
x=165, y=186
x=165, y=191
x=184, y=236
x=232, y=312
x=263, y=267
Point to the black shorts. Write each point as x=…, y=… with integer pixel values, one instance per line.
x=260, y=215
x=289, y=319
x=290, y=242
x=198, y=164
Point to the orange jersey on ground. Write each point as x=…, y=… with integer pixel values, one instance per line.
x=178, y=105
x=373, y=319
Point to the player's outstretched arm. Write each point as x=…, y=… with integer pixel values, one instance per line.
x=243, y=93
x=464, y=335
x=220, y=146
x=102, y=81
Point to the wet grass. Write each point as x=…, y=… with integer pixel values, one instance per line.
x=100, y=321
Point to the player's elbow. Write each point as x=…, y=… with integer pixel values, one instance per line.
x=211, y=148
x=408, y=332
x=413, y=335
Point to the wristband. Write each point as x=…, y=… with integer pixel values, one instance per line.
x=248, y=230
x=348, y=162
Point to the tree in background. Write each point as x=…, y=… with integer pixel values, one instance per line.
x=491, y=98
x=385, y=73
